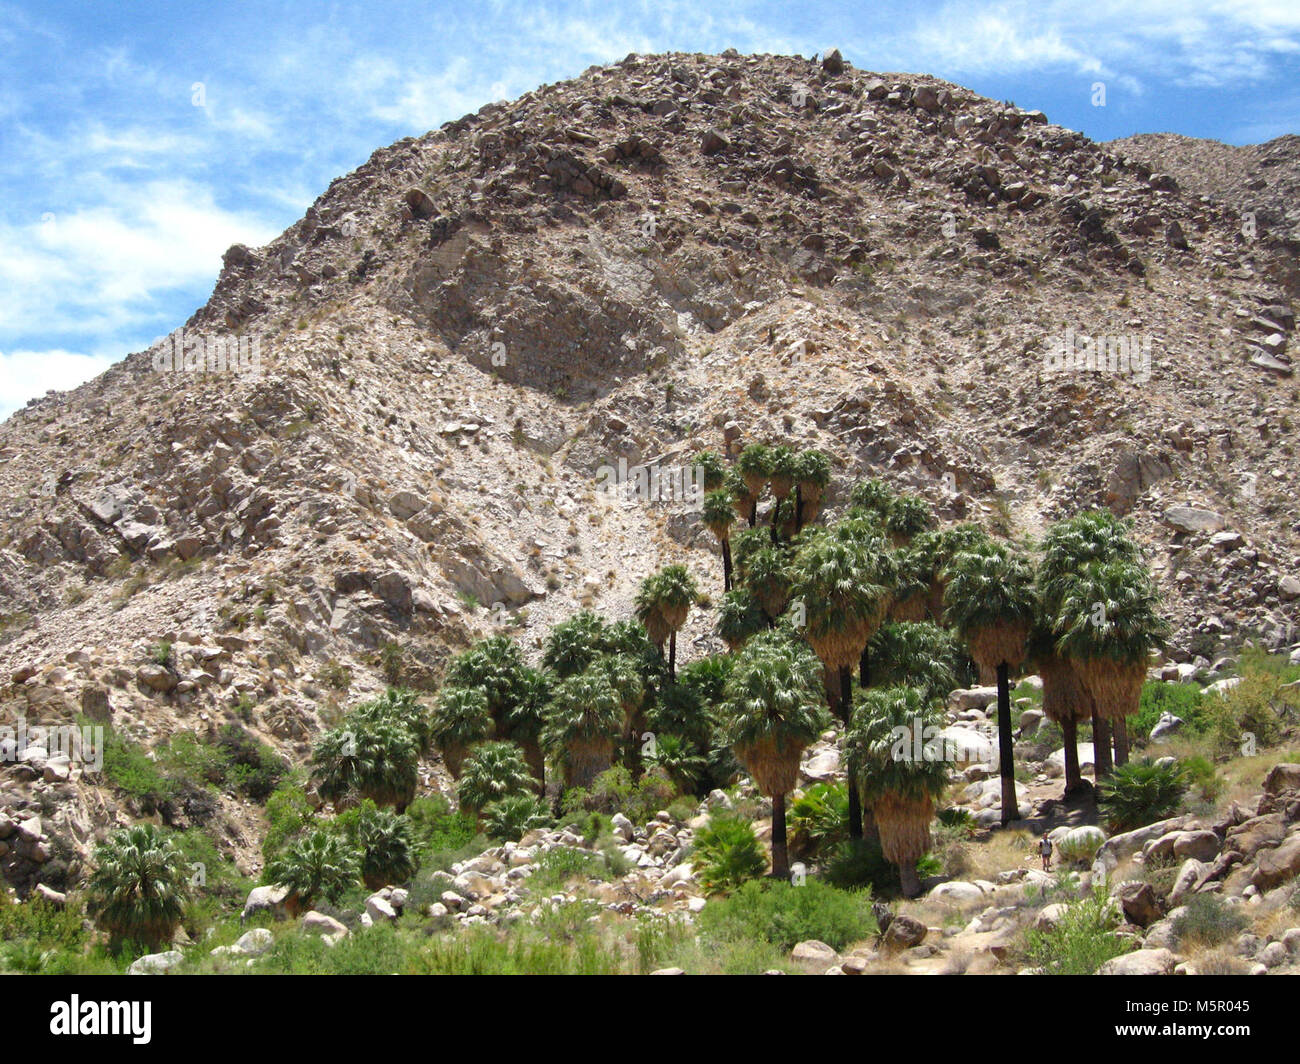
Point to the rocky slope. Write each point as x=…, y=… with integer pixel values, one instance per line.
x=669, y=253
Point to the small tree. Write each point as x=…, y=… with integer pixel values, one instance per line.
x=319, y=864
x=493, y=771
x=460, y=719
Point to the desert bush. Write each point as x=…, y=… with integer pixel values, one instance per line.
x=1207, y=920
x=1082, y=941
x=783, y=914
x=509, y=819
x=819, y=818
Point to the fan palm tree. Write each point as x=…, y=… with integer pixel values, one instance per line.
x=812, y=475
x=524, y=720
x=742, y=501
x=378, y=760
x=138, y=889
x=712, y=469
x=772, y=712
x=907, y=517
x=383, y=838
x=575, y=643
x=492, y=771
x=754, y=465
x=494, y=666
x=844, y=606
x=866, y=533
x=932, y=551
x=317, y=864
x=718, y=517
x=662, y=605
x=921, y=655
x=900, y=790
x=583, y=720
x=872, y=497
x=1069, y=548
x=1109, y=625
x=990, y=601
x=400, y=707
x=460, y=719
x=739, y=617
x=767, y=575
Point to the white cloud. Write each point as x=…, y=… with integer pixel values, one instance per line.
x=99, y=264
x=25, y=374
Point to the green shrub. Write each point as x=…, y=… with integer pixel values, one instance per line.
x=1183, y=700
x=1083, y=940
x=1139, y=793
x=858, y=863
x=1200, y=776
x=1208, y=921
x=783, y=914
x=255, y=769
x=130, y=770
x=288, y=811
x=383, y=841
x=819, y=818
x=727, y=854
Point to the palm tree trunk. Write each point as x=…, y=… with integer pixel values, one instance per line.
x=846, y=715
x=864, y=668
x=870, y=829
x=1120, y=728
x=536, y=758
x=780, y=851
x=1101, y=746
x=1073, y=777
x=798, y=509
x=672, y=655
x=726, y=565
x=907, y=876
x=753, y=512
x=1006, y=750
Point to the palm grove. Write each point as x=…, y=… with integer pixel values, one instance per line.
x=863, y=625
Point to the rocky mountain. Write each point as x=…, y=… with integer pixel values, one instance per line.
x=383, y=434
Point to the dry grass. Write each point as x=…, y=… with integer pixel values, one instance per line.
x=1003, y=850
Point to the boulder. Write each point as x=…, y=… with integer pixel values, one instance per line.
x=1139, y=902
x=265, y=900
x=315, y=923
x=814, y=952
x=957, y=891
x=1203, y=845
x=1141, y=962
x=1275, y=867
x=254, y=943
x=904, y=932
x=1282, y=777
x=1191, y=519
x=156, y=963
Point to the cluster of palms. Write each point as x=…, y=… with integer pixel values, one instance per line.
x=883, y=589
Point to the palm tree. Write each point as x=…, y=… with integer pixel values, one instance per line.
x=712, y=470
x=138, y=890
x=989, y=599
x=738, y=493
x=376, y=760
x=492, y=771
x=388, y=855
x=718, y=517
x=866, y=533
x=583, y=720
x=739, y=617
x=843, y=605
x=460, y=719
x=574, y=644
x=767, y=575
x=662, y=605
x=524, y=720
x=1109, y=625
x=625, y=678
x=496, y=667
x=900, y=788
x=400, y=707
x=872, y=498
x=1069, y=548
x=921, y=655
x=754, y=466
x=907, y=517
x=317, y=864
x=772, y=711
x=930, y=553
x=812, y=474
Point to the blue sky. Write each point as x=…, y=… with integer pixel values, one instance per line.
x=139, y=140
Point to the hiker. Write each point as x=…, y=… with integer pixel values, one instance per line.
x=1045, y=849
